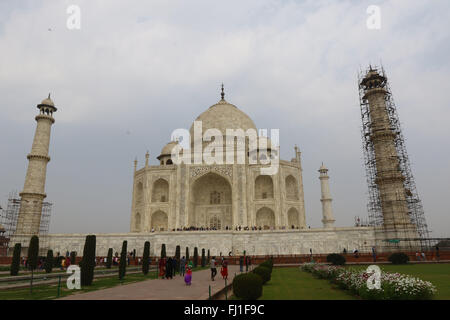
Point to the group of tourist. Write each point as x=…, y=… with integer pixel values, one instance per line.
x=237, y=228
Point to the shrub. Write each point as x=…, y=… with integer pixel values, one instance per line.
x=48, y=265
x=178, y=257
x=73, y=257
x=88, y=262
x=336, y=259
x=209, y=257
x=267, y=264
x=109, y=258
x=195, y=257
x=163, y=251
x=263, y=272
x=203, y=258
x=15, y=263
x=33, y=251
x=248, y=286
x=398, y=258
x=146, y=257
x=123, y=261
x=187, y=254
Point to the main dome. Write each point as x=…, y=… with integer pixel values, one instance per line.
x=223, y=116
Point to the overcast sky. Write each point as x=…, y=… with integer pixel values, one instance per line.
x=137, y=70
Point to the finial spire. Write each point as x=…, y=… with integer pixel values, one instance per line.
x=49, y=95
x=223, y=93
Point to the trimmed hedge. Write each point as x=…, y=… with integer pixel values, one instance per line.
x=267, y=264
x=48, y=264
x=398, y=258
x=33, y=251
x=264, y=272
x=248, y=286
x=123, y=261
x=88, y=262
x=203, y=258
x=195, y=257
x=109, y=258
x=15, y=263
x=146, y=258
x=336, y=259
x=163, y=251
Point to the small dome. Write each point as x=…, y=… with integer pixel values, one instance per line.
x=48, y=102
x=167, y=150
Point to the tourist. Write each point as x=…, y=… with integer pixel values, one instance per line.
x=224, y=269
x=437, y=253
x=417, y=256
x=241, y=264
x=424, y=258
x=374, y=254
x=247, y=259
x=344, y=251
x=213, y=268
x=355, y=253
x=162, y=267
x=188, y=276
x=182, y=266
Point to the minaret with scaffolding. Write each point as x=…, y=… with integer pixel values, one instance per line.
x=33, y=194
x=394, y=206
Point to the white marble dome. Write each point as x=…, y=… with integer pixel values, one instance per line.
x=223, y=116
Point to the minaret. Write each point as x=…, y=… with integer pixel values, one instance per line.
x=389, y=178
x=327, y=213
x=33, y=193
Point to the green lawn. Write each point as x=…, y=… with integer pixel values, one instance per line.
x=438, y=274
x=293, y=284
x=49, y=291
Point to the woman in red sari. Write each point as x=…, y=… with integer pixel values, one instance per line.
x=224, y=269
x=162, y=267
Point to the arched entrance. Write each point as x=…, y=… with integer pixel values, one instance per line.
x=159, y=221
x=265, y=218
x=211, y=202
x=293, y=218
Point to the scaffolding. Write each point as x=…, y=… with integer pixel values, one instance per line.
x=10, y=215
x=414, y=205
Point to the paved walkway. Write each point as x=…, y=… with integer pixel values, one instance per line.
x=163, y=289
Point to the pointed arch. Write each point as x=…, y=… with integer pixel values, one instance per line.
x=160, y=191
x=159, y=221
x=293, y=219
x=263, y=187
x=265, y=218
x=291, y=188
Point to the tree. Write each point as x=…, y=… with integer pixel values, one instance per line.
x=15, y=263
x=177, y=256
x=109, y=258
x=203, y=258
x=88, y=262
x=187, y=254
x=73, y=257
x=146, y=257
x=209, y=256
x=195, y=257
x=123, y=261
x=163, y=251
x=33, y=251
x=48, y=265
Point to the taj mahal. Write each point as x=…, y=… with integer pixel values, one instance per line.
x=230, y=204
